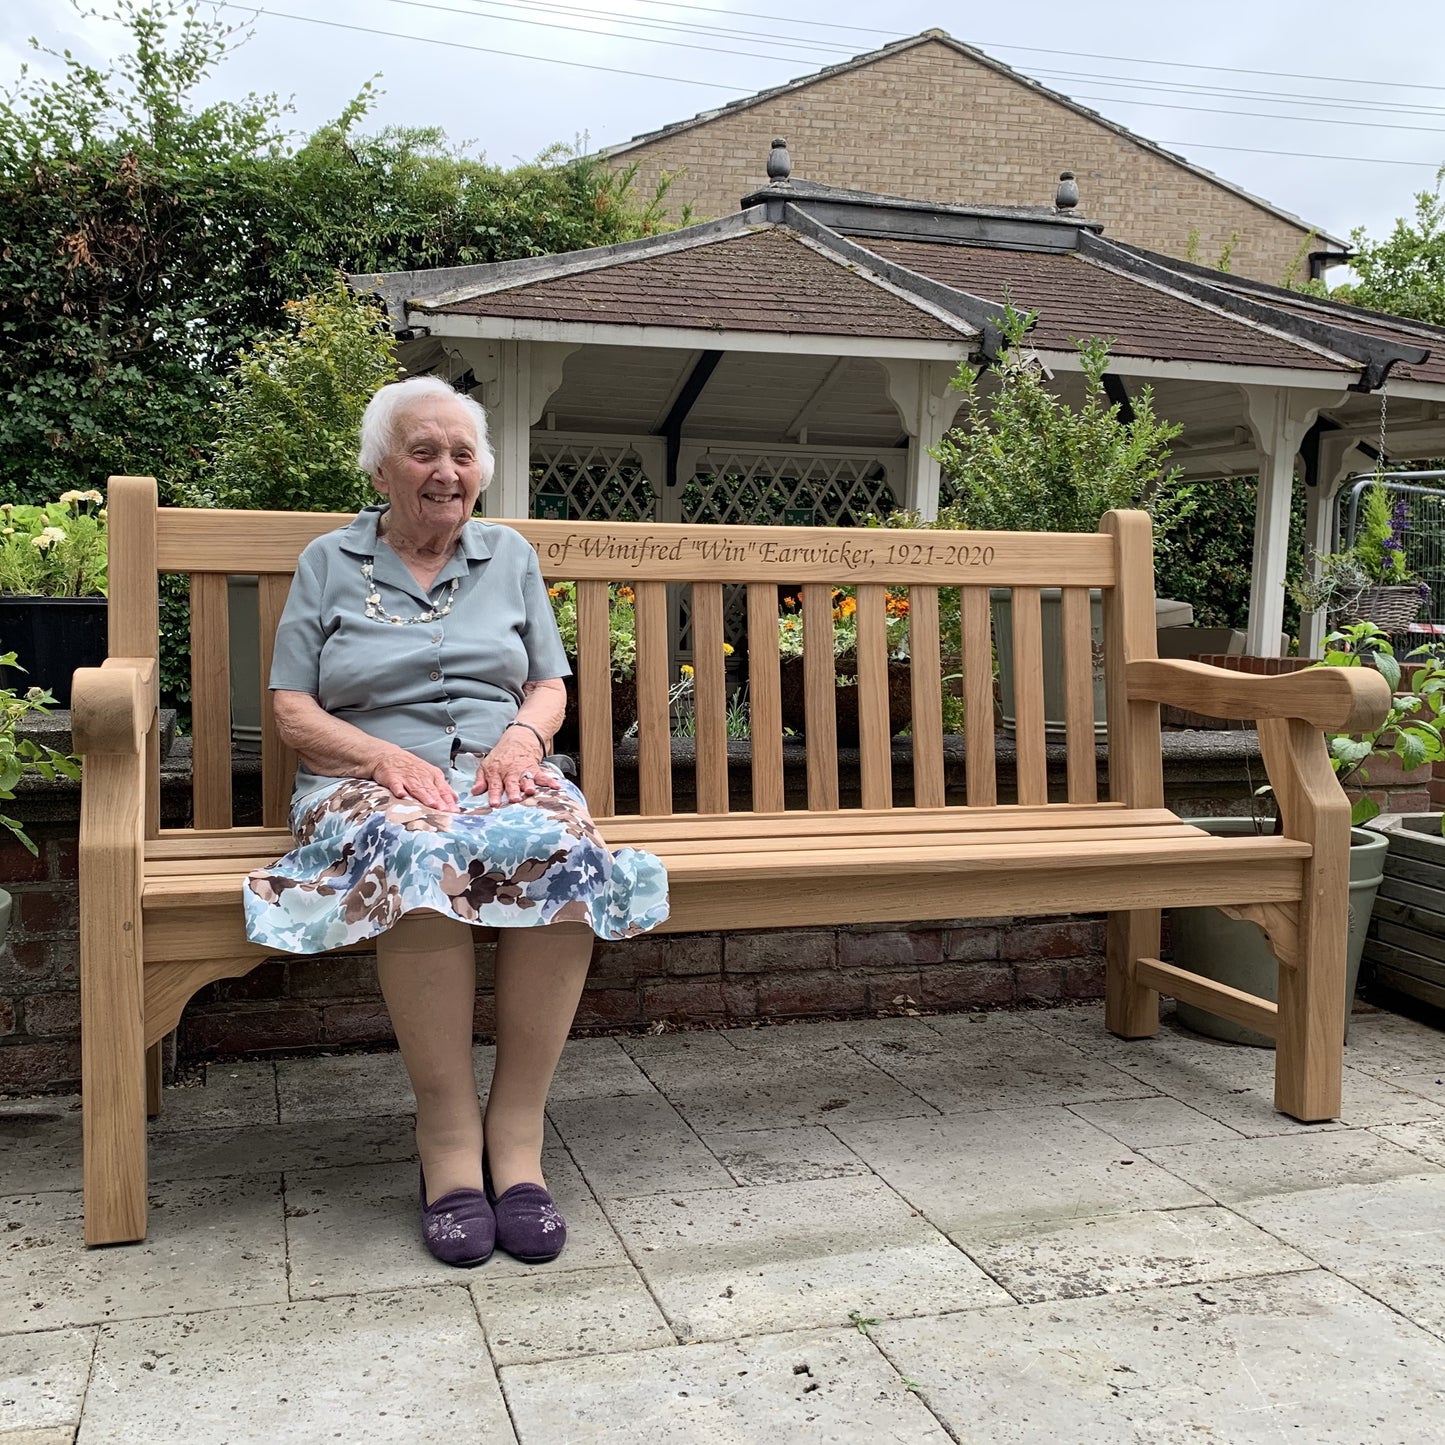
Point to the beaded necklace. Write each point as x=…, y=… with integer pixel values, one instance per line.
x=373, y=601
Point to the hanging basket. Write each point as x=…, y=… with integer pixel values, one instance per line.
x=1391, y=609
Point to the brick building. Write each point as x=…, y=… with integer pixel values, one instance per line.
x=936, y=120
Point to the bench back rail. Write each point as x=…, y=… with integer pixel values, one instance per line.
x=667, y=564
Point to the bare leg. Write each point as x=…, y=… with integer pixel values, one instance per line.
x=426, y=965
x=540, y=973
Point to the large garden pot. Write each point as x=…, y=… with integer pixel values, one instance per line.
x=1405, y=949
x=624, y=713
x=243, y=609
x=4, y=916
x=51, y=637
x=794, y=705
x=1233, y=952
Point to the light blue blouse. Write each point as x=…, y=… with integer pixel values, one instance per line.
x=434, y=688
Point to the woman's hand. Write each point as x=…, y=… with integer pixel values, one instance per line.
x=512, y=769
x=408, y=776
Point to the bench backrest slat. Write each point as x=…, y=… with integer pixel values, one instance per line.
x=926, y=688
x=819, y=707
x=765, y=696
x=594, y=694
x=977, y=653
x=1028, y=699
x=210, y=701
x=874, y=733
x=710, y=698
x=654, y=725
x=278, y=762
x=1136, y=767
x=1083, y=772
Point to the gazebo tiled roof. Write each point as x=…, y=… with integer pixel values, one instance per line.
x=764, y=279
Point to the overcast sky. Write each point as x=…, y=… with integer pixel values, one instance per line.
x=1337, y=170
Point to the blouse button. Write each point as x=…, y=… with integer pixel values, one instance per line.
x=435, y=676
x=451, y=730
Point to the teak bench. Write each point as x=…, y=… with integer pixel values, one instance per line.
x=161, y=907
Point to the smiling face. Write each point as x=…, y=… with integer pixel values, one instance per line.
x=433, y=473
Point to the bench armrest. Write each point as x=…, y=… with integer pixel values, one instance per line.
x=1337, y=699
x=113, y=707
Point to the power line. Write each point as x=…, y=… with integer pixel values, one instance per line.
x=1259, y=114
x=1293, y=155
x=481, y=49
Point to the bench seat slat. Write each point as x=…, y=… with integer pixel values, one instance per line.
x=862, y=856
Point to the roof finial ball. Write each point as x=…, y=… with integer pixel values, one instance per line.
x=1067, y=195
x=780, y=166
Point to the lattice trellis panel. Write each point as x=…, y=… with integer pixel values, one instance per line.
x=760, y=489
x=602, y=481
x=768, y=489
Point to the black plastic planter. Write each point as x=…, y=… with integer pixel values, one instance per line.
x=51, y=637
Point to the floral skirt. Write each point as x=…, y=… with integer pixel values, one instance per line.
x=364, y=857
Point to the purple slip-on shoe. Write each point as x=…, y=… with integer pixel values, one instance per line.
x=529, y=1226
x=459, y=1228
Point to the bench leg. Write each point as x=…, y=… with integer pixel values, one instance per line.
x=113, y=1086
x=1310, y=1028
x=154, y=1080
x=1130, y=1009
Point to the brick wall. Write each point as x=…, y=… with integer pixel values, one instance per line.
x=932, y=124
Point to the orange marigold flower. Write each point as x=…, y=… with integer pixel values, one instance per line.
x=626, y=594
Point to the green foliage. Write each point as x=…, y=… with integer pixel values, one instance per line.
x=150, y=239
x=1024, y=460
x=292, y=410
x=1379, y=544
x=57, y=550
x=1411, y=731
x=1204, y=547
x=1405, y=273
x=20, y=757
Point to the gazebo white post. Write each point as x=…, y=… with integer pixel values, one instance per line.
x=516, y=379
x=1279, y=418
x=1338, y=458
x=927, y=405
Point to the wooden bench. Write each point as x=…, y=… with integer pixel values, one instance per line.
x=161, y=907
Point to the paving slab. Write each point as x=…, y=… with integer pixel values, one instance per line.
x=972, y=1068
x=211, y=1245
x=1426, y=1139
x=1144, y=1250
x=828, y=1032
x=352, y=1230
x=788, y=1256
x=1386, y=1237
x=343, y=1086
x=380, y=1367
x=1294, y=1356
x=232, y=1094
x=635, y=1144
x=1157, y=1120
x=1429, y=1085
x=597, y=1069
x=783, y=1156
x=54, y=1435
x=1234, y=1084
x=1082, y=1026
x=778, y=1080
x=997, y=1174
x=43, y=1376
x=1288, y=1163
x=568, y=1314
x=40, y=1144
x=825, y=1387
x=703, y=1047
x=274, y=1148
x=1386, y=1044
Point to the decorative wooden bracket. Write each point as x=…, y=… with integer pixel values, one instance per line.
x=1279, y=922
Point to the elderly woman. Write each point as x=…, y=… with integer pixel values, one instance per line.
x=418, y=674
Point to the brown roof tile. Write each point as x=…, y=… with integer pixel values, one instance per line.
x=767, y=280
x=1077, y=299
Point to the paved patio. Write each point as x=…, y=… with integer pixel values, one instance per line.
x=986, y=1228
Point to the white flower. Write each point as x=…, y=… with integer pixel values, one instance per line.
x=56, y=534
x=41, y=542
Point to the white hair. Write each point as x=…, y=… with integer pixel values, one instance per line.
x=382, y=420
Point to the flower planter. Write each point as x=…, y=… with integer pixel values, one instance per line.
x=1391, y=609
x=52, y=636
x=1233, y=952
x=4, y=916
x=1405, y=949
x=795, y=712
x=624, y=713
